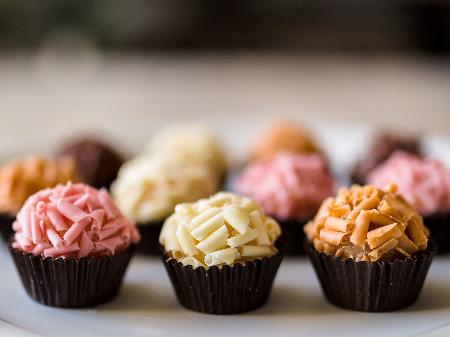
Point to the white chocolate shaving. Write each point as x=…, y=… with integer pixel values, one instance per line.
x=208, y=227
x=187, y=242
x=224, y=229
x=216, y=241
x=256, y=251
x=202, y=217
x=237, y=219
x=192, y=261
x=263, y=235
x=223, y=256
x=240, y=240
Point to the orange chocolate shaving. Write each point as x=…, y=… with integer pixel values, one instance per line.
x=367, y=224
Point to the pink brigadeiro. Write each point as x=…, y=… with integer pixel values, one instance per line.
x=424, y=183
x=288, y=186
x=73, y=220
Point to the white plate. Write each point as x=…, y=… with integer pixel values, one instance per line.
x=146, y=306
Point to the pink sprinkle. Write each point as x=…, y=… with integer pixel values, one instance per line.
x=111, y=244
x=56, y=219
x=70, y=211
x=55, y=252
x=23, y=243
x=54, y=238
x=86, y=245
x=107, y=203
x=81, y=201
x=75, y=230
x=107, y=231
x=40, y=207
x=125, y=234
x=24, y=218
x=39, y=248
x=35, y=228
x=98, y=215
x=16, y=226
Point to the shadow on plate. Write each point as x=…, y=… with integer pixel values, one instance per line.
x=141, y=297
x=290, y=301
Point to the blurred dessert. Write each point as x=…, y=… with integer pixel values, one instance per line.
x=425, y=184
x=97, y=162
x=24, y=176
x=190, y=143
x=283, y=136
x=381, y=147
x=290, y=187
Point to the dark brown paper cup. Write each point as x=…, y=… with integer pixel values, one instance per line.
x=226, y=290
x=372, y=286
x=149, y=244
x=439, y=225
x=71, y=283
x=6, y=230
x=292, y=237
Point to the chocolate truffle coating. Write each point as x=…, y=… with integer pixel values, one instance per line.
x=97, y=163
x=383, y=145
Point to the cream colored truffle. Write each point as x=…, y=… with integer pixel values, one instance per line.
x=148, y=187
x=224, y=229
x=189, y=143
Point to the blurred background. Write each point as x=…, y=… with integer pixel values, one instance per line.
x=127, y=67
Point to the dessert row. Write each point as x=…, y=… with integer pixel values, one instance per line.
x=370, y=249
x=371, y=246
x=286, y=172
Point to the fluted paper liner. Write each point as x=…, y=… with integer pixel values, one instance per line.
x=149, y=244
x=226, y=290
x=6, y=230
x=372, y=286
x=71, y=283
x=292, y=237
x=439, y=225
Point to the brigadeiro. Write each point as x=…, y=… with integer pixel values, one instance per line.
x=220, y=254
x=72, y=246
x=190, y=143
x=24, y=176
x=370, y=249
x=290, y=187
x=97, y=162
x=282, y=136
x=425, y=184
x=150, y=186
x=382, y=146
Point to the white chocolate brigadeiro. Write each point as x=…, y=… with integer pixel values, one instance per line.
x=189, y=143
x=149, y=187
x=222, y=230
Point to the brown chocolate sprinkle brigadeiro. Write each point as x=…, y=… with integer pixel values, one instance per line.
x=370, y=249
x=97, y=162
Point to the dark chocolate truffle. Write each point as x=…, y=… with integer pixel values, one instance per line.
x=97, y=162
x=383, y=145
